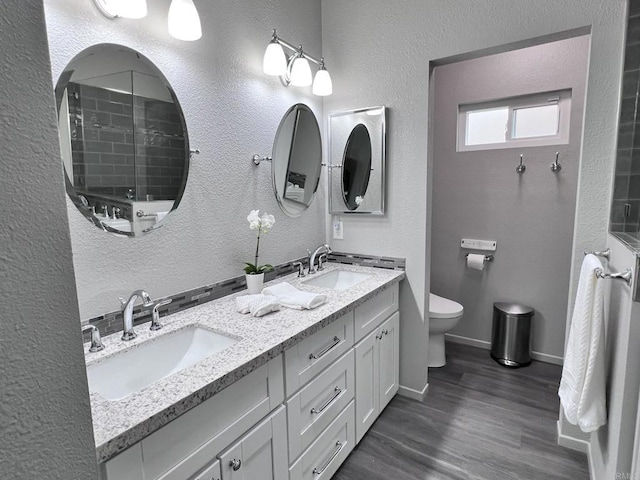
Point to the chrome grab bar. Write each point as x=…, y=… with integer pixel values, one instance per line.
x=328, y=402
x=604, y=254
x=626, y=275
x=323, y=352
x=317, y=471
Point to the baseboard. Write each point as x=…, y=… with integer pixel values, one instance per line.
x=541, y=357
x=467, y=341
x=545, y=357
x=418, y=395
x=572, y=443
x=579, y=445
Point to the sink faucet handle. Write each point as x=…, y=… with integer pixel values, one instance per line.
x=155, y=315
x=300, y=268
x=96, y=341
x=321, y=260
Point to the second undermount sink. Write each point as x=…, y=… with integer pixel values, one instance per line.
x=338, y=279
x=132, y=370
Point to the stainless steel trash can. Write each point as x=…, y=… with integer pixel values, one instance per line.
x=511, y=334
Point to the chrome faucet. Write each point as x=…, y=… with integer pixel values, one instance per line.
x=127, y=312
x=96, y=342
x=312, y=256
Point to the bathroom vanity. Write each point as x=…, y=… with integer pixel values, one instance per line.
x=292, y=395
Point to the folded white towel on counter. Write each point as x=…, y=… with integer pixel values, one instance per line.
x=583, y=382
x=291, y=297
x=257, y=305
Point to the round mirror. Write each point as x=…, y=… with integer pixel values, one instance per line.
x=356, y=166
x=123, y=139
x=297, y=160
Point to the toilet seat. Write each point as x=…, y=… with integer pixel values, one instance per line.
x=440, y=307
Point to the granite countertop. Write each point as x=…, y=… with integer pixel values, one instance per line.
x=121, y=423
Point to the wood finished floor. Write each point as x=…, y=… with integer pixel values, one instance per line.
x=480, y=421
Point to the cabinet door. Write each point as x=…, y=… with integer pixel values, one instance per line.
x=389, y=358
x=261, y=454
x=367, y=382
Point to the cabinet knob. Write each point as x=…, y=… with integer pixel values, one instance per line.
x=385, y=331
x=235, y=464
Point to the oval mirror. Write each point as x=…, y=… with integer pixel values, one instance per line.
x=356, y=166
x=297, y=160
x=123, y=138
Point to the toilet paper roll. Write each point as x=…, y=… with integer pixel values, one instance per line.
x=475, y=260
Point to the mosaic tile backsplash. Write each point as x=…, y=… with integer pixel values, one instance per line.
x=111, y=322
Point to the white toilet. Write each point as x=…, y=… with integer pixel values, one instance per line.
x=444, y=314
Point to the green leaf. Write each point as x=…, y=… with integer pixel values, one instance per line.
x=250, y=269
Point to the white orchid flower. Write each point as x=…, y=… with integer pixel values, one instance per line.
x=267, y=221
x=254, y=219
x=262, y=224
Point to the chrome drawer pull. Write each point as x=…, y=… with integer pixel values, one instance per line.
x=315, y=356
x=328, y=402
x=235, y=464
x=328, y=462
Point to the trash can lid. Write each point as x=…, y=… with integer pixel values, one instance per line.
x=513, y=308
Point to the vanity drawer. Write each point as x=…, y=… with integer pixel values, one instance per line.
x=314, y=407
x=183, y=447
x=375, y=311
x=308, y=358
x=322, y=459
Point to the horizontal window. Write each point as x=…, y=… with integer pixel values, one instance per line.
x=525, y=121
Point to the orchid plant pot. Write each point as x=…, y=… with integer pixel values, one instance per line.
x=255, y=282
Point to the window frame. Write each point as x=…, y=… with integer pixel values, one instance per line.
x=562, y=98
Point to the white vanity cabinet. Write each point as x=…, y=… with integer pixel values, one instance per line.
x=295, y=418
x=377, y=373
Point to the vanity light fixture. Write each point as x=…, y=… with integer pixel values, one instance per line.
x=183, y=21
x=295, y=70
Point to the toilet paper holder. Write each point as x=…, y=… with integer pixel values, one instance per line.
x=487, y=258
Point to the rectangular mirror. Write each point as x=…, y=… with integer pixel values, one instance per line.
x=357, y=157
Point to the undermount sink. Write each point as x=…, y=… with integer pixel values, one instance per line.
x=338, y=279
x=132, y=370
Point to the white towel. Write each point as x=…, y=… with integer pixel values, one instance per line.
x=291, y=297
x=257, y=305
x=582, y=387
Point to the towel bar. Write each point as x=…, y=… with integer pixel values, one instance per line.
x=605, y=254
x=626, y=275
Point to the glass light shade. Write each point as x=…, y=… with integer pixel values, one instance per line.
x=275, y=61
x=300, y=72
x=184, y=21
x=322, y=85
x=131, y=8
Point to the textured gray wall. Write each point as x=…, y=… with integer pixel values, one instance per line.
x=379, y=54
x=479, y=194
x=45, y=421
x=232, y=112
